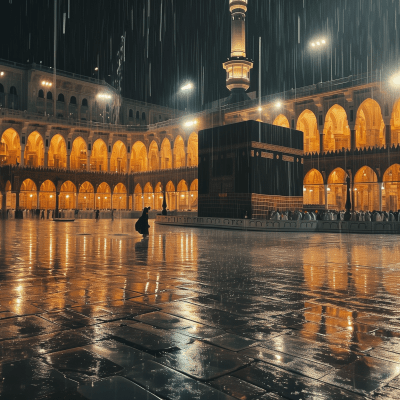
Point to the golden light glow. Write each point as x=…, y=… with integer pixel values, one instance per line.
x=190, y=123
x=188, y=86
x=47, y=83
x=104, y=96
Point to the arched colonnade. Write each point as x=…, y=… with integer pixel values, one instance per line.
x=368, y=191
x=80, y=154
x=338, y=129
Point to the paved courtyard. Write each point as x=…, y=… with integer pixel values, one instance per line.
x=93, y=311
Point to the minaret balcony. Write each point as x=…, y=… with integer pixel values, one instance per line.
x=238, y=4
x=238, y=73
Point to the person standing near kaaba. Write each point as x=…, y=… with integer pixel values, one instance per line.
x=142, y=224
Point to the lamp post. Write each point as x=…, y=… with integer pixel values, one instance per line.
x=46, y=84
x=102, y=99
x=187, y=89
x=318, y=46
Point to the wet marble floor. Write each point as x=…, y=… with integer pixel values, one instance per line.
x=90, y=310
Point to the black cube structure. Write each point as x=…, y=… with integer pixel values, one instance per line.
x=249, y=168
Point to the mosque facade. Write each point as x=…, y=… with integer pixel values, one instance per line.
x=72, y=142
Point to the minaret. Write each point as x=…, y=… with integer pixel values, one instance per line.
x=238, y=66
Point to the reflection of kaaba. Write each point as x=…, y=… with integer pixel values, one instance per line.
x=249, y=167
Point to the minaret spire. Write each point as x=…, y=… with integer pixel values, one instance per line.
x=238, y=66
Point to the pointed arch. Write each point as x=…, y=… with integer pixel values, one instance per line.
x=313, y=188
x=391, y=188
x=47, y=195
x=370, y=128
x=103, y=197
x=148, y=194
x=337, y=188
x=120, y=197
x=28, y=195
x=34, y=150
x=99, y=158
x=139, y=160
x=10, y=147
x=138, y=198
x=86, y=196
x=336, y=129
x=171, y=196
x=153, y=156
x=158, y=197
x=118, y=161
x=307, y=123
x=179, y=152
x=67, y=196
x=366, y=190
x=183, y=195
x=78, y=158
x=166, y=154
x=193, y=150
x=395, y=123
x=194, y=193
x=281, y=120
x=57, y=152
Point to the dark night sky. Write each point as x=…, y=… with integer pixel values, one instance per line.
x=171, y=41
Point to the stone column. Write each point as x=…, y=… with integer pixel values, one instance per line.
x=380, y=195
x=22, y=159
x=37, y=200
x=68, y=160
x=16, y=200
x=4, y=204
x=326, y=196
x=321, y=143
x=46, y=157
x=111, y=201
x=89, y=153
x=128, y=164
x=108, y=163
x=77, y=198
x=57, y=204
x=388, y=135
x=352, y=139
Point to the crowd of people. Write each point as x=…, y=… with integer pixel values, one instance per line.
x=333, y=215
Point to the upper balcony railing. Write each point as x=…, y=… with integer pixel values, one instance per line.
x=293, y=94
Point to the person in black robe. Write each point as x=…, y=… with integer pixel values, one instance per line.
x=142, y=224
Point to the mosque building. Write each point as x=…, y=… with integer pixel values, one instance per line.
x=72, y=142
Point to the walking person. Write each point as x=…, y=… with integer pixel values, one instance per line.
x=142, y=224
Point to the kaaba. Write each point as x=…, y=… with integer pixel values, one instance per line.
x=249, y=168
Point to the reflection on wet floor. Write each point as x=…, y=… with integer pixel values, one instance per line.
x=93, y=311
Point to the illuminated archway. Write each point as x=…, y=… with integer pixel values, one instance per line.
x=103, y=197
x=119, y=197
x=118, y=161
x=337, y=189
x=28, y=195
x=158, y=197
x=10, y=148
x=148, y=195
x=194, y=194
x=179, y=152
x=313, y=188
x=170, y=196
x=86, y=196
x=138, y=198
x=183, y=195
x=395, y=123
x=47, y=196
x=78, y=158
x=153, y=156
x=139, y=157
x=99, y=159
x=67, y=197
x=370, y=128
x=193, y=150
x=281, y=120
x=166, y=154
x=391, y=188
x=34, y=150
x=366, y=190
x=11, y=198
x=336, y=129
x=307, y=123
x=57, y=153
